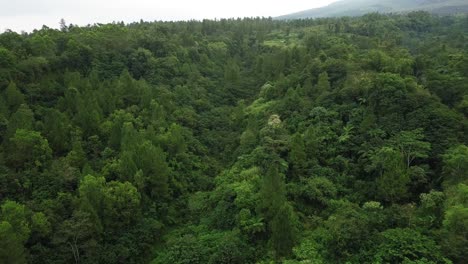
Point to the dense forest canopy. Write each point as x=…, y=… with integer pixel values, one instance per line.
x=339, y=140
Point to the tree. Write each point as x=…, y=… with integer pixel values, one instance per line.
x=77, y=156
x=11, y=247
x=183, y=250
x=284, y=230
x=16, y=215
x=76, y=239
x=121, y=125
x=248, y=140
x=432, y=207
x=307, y=253
x=345, y=232
x=278, y=213
x=174, y=140
x=455, y=224
x=307, y=88
x=272, y=192
x=56, y=130
x=77, y=56
x=392, y=177
x=43, y=46
x=29, y=150
x=291, y=103
x=89, y=114
x=411, y=145
x=378, y=60
x=40, y=225
x=141, y=63
x=399, y=245
x=92, y=199
x=463, y=106
x=297, y=156
x=7, y=65
x=323, y=84
x=151, y=161
x=314, y=192
x=23, y=118
x=122, y=204
x=63, y=25
x=13, y=97
x=7, y=58
x=232, y=80
x=455, y=168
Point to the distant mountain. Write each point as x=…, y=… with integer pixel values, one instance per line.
x=360, y=7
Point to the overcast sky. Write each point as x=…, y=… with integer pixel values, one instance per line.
x=31, y=14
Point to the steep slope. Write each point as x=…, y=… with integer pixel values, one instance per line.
x=360, y=7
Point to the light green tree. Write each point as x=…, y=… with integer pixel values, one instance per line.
x=455, y=168
x=411, y=145
x=29, y=150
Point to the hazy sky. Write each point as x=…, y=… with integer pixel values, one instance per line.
x=30, y=14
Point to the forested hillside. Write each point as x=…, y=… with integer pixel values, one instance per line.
x=360, y=7
x=236, y=141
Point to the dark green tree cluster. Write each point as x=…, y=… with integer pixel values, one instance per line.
x=335, y=140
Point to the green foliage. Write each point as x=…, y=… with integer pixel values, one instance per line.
x=314, y=192
x=323, y=84
x=456, y=165
x=56, y=130
x=297, y=156
x=122, y=205
x=455, y=223
x=306, y=253
x=335, y=140
x=7, y=58
x=213, y=247
x=11, y=247
x=92, y=200
x=23, y=118
x=432, y=207
x=400, y=245
x=40, y=224
x=284, y=230
x=13, y=97
x=29, y=150
x=411, y=145
x=392, y=177
x=16, y=215
x=77, y=239
x=151, y=161
x=346, y=232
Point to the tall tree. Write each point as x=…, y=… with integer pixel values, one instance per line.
x=393, y=175
x=323, y=84
x=23, y=118
x=11, y=246
x=274, y=206
x=455, y=168
x=13, y=97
